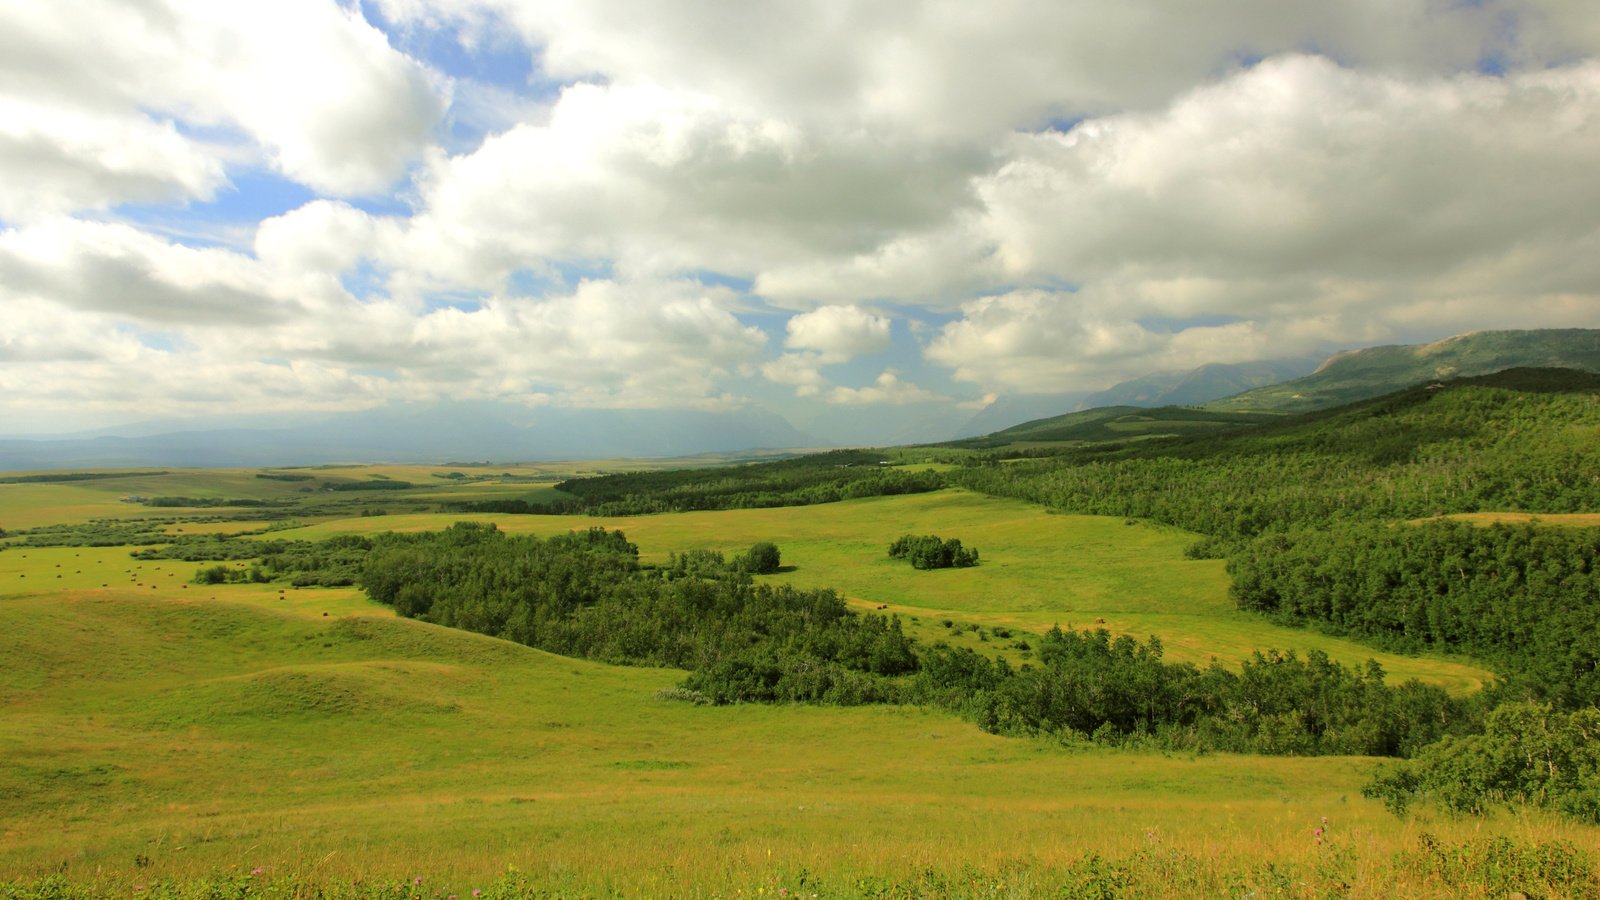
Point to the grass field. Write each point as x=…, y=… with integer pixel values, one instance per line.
x=154, y=730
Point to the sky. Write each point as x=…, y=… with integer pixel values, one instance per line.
x=869, y=212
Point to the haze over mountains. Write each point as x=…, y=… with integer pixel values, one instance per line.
x=492, y=431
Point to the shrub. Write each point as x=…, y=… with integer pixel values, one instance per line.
x=763, y=558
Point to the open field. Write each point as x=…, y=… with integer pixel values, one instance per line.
x=154, y=729
x=1575, y=520
x=156, y=737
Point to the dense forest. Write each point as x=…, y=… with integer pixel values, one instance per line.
x=1522, y=597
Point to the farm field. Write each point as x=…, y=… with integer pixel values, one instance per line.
x=155, y=730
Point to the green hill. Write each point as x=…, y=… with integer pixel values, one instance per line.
x=1117, y=423
x=1360, y=374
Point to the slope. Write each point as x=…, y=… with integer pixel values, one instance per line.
x=1360, y=374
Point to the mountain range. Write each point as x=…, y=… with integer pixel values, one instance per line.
x=494, y=431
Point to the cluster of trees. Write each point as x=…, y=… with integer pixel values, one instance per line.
x=803, y=481
x=231, y=575
x=335, y=562
x=210, y=502
x=376, y=484
x=1523, y=597
x=95, y=533
x=1528, y=755
x=927, y=551
x=586, y=595
x=1114, y=690
x=62, y=477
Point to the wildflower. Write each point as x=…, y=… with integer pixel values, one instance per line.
x=477, y=893
x=1318, y=832
x=256, y=871
x=418, y=880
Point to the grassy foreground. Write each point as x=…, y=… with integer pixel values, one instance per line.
x=160, y=738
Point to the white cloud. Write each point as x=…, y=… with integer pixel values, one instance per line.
x=326, y=236
x=887, y=389
x=1300, y=166
x=1304, y=204
x=838, y=333
x=944, y=70
x=802, y=371
x=657, y=181
x=57, y=159
x=107, y=90
x=89, y=304
x=120, y=270
x=1100, y=189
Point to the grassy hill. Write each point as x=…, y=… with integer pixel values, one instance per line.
x=1115, y=423
x=1360, y=374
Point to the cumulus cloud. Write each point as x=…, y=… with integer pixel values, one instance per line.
x=92, y=92
x=117, y=269
x=58, y=159
x=1301, y=166
x=659, y=181
x=944, y=70
x=887, y=389
x=802, y=371
x=326, y=236
x=1309, y=203
x=839, y=333
x=89, y=303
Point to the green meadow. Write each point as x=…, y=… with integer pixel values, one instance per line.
x=155, y=731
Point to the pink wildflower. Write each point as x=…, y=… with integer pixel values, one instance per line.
x=477, y=893
x=256, y=871
x=418, y=880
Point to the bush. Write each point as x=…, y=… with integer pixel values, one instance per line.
x=763, y=558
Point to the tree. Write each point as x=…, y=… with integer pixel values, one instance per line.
x=763, y=558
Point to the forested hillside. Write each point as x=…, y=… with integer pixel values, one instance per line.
x=1523, y=439
x=1306, y=512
